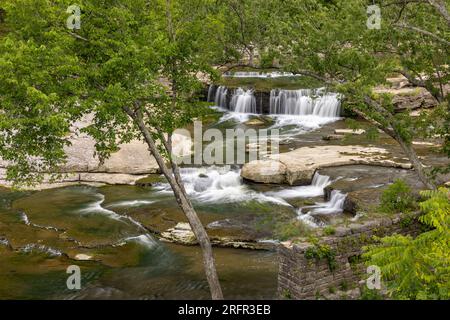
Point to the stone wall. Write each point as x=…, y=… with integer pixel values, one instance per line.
x=304, y=276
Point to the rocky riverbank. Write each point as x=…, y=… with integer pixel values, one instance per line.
x=131, y=163
x=297, y=167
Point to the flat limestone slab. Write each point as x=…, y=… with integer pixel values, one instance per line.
x=297, y=167
x=350, y=131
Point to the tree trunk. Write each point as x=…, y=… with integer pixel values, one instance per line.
x=415, y=161
x=185, y=205
x=392, y=132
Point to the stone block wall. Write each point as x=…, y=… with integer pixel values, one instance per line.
x=304, y=276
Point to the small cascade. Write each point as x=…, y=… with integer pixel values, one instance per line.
x=243, y=101
x=211, y=93
x=334, y=206
x=316, y=189
x=220, y=99
x=320, y=181
x=305, y=102
x=24, y=218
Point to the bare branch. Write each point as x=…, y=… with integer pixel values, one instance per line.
x=77, y=36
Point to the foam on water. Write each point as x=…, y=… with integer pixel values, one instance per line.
x=4, y=242
x=130, y=203
x=96, y=207
x=144, y=239
x=41, y=248
x=219, y=185
x=24, y=218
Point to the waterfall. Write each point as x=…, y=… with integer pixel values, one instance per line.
x=320, y=181
x=316, y=189
x=304, y=102
x=334, y=206
x=243, y=101
x=211, y=93
x=221, y=97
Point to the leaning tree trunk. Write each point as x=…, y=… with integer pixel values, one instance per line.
x=390, y=130
x=183, y=201
x=415, y=161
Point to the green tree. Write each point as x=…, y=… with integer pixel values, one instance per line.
x=248, y=30
x=330, y=40
x=397, y=198
x=418, y=268
x=133, y=65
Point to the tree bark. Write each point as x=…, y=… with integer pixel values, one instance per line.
x=183, y=201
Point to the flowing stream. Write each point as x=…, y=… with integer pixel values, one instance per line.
x=110, y=232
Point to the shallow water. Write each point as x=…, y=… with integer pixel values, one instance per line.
x=42, y=233
x=127, y=261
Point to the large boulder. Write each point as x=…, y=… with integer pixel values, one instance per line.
x=408, y=98
x=265, y=171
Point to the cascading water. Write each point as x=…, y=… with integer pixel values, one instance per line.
x=243, y=101
x=334, y=206
x=220, y=99
x=211, y=92
x=304, y=102
x=316, y=189
x=219, y=185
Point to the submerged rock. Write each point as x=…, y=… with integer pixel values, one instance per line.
x=83, y=257
x=331, y=137
x=181, y=233
x=150, y=181
x=255, y=122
